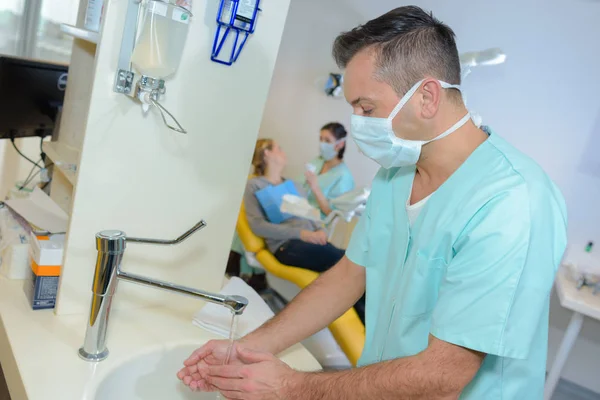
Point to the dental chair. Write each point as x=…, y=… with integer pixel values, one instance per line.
x=348, y=330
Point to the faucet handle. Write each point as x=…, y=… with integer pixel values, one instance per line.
x=111, y=241
x=190, y=232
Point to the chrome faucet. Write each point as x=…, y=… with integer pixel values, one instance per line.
x=111, y=247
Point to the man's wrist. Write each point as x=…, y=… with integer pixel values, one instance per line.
x=252, y=342
x=295, y=386
x=248, y=343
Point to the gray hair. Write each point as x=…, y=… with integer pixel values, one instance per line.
x=409, y=45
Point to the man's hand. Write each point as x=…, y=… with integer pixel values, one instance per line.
x=318, y=237
x=440, y=372
x=262, y=377
x=211, y=354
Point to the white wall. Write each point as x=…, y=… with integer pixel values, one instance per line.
x=297, y=107
x=544, y=100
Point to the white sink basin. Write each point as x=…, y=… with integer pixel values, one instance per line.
x=150, y=376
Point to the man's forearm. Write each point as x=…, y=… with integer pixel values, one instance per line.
x=373, y=382
x=327, y=298
x=430, y=375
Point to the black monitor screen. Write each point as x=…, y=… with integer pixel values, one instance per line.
x=31, y=93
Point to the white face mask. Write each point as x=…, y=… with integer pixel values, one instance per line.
x=328, y=151
x=376, y=139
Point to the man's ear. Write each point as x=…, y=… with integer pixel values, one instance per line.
x=431, y=93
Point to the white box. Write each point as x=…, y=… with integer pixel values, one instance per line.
x=47, y=252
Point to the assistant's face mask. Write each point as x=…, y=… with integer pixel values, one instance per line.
x=376, y=139
x=328, y=151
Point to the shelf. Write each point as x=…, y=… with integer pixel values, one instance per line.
x=80, y=33
x=65, y=159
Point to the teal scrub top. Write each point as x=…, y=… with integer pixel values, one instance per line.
x=476, y=269
x=333, y=183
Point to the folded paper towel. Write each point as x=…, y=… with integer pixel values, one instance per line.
x=299, y=207
x=217, y=319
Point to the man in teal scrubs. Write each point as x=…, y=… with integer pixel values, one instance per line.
x=458, y=248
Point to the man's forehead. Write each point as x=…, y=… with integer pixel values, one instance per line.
x=362, y=64
x=358, y=77
x=361, y=85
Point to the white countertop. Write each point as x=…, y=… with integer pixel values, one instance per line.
x=38, y=350
x=581, y=301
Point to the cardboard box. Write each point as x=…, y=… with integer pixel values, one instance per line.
x=42, y=286
x=41, y=291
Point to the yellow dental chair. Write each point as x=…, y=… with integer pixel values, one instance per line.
x=348, y=330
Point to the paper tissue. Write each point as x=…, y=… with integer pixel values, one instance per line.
x=299, y=207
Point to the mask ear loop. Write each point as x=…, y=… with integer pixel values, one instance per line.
x=446, y=85
x=407, y=96
x=405, y=100
x=452, y=129
x=412, y=91
x=477, y=119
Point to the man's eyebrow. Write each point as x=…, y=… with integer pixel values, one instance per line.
x=358, y=100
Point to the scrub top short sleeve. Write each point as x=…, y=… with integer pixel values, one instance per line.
x=487, y=302
x=358, y=247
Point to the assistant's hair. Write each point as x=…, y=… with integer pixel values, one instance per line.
x=339, y=132
x=258, y=159
x=409, y=44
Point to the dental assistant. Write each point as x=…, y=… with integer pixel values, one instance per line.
x=458, y=248
x=328, y=176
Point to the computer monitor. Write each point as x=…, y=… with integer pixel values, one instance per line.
x=31, y=95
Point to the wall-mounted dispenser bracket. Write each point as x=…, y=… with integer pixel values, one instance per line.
x=147, y=89
x=125, y=76
x=124, y=81
x=151, y=86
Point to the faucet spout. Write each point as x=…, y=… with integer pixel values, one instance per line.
x=237, y=304
x=111, y=247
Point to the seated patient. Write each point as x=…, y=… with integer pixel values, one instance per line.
x=296, y=242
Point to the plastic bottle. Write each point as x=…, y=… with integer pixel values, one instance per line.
x=160, y=44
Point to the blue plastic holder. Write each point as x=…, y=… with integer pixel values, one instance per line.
x=236, y=17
